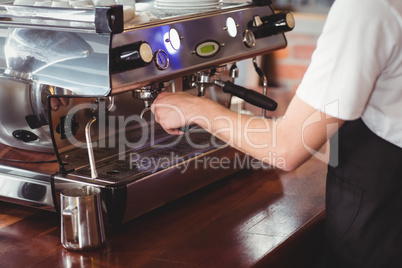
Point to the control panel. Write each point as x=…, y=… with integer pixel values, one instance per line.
x=172, y=49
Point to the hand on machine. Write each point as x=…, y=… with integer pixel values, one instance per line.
x=208, y=78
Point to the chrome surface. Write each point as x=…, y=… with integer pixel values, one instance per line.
x=26, y=187
x=19, y=101
x=85, y=58
x=84, y=68
x=60, y=19
x=184, y=61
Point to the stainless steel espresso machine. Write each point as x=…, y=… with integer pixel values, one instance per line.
x=77, y=83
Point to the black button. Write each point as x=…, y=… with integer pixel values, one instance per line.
x=24, y=135
x=32, y=191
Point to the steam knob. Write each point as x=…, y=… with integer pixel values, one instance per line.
x=273, y=24
x=131, y=56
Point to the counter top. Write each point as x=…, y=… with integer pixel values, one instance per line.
x=251, y=218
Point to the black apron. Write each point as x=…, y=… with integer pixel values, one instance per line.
x=364, y=200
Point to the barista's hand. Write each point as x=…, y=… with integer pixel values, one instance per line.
x=171, y=109
x=176, y=110
x=55, y=103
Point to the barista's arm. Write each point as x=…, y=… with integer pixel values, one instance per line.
x=292, y=138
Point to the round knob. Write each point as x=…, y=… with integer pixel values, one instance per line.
x=131, y=56
x=282, y=22
x=273, y=24
x=139, y=52
x=145, y=52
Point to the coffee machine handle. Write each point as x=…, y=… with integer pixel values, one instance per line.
x=248, y=95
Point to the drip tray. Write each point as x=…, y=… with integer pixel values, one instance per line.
x=141, y=162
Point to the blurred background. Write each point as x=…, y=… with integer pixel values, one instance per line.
x=311, y=6
x=285, y=68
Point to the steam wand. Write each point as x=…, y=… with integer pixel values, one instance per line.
x=263, y=79
x=88, y=139
x=94, y=173
x=234, y=71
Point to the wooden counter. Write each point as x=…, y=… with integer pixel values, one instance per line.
x=252, y=218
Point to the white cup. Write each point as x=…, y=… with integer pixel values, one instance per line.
x=128, y=13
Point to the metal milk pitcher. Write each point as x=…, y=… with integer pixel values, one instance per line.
x=82, y=225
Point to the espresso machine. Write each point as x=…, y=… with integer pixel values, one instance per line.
x=78, y=84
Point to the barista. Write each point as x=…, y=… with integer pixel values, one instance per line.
x=352, y=89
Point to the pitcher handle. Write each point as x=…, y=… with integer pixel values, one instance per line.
x=70, y=224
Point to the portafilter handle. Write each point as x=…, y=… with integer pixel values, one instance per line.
x=248, y=95
x=148, y=94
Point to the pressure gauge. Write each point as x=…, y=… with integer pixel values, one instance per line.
x=161, y=59
x=248, y=38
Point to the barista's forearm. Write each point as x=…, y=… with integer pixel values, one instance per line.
x=262, y=138
x=285, y=142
